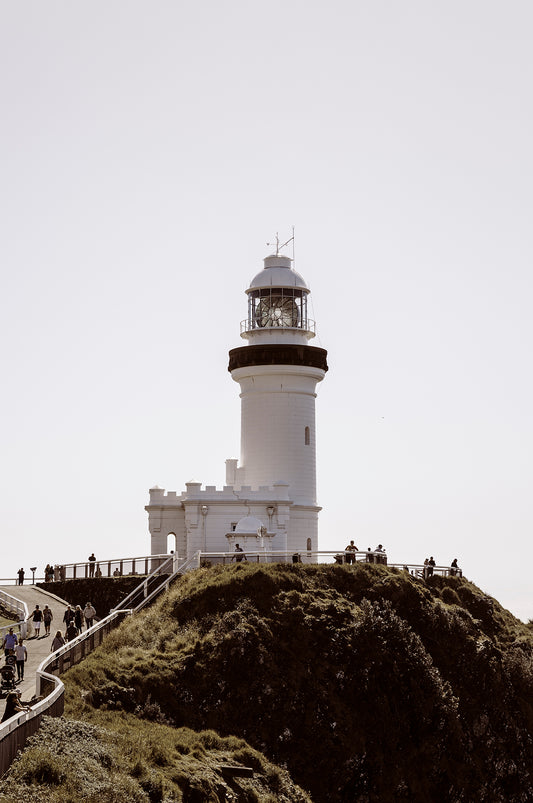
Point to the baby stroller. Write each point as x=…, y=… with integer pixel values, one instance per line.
x=7, y=674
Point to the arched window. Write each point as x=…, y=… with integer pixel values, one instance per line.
x=171, y=543
x=309, y=545
x=307, y=436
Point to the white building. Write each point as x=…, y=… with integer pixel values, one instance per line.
x=269, y=500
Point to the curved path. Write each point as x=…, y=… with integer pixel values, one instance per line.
x=38, y=648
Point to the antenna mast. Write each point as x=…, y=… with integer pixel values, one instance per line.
x=279, y=247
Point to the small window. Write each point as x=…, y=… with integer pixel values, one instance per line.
x=233, y=526
x=309, y=545
x=307, y=436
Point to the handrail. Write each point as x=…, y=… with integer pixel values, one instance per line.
x=18, y=606
x=308, y=556
x=75, y=571
x=191, y=563
x=143, y=586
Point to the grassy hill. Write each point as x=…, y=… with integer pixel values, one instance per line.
x=365, y=683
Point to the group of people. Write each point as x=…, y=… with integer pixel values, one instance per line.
x=74, y=619
x=429, y=564
x=57, y=573
x=14, y=645
x=40, y=617
x=376, y=555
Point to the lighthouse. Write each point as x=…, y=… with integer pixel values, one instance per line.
x=269, y=501
x=278, y=372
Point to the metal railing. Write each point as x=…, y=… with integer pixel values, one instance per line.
x=13, y=605
x=311, y=556
x=111, y=567
x=305, y=325
x=151, y=586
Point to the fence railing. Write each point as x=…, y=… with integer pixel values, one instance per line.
x=16, y=606
x=308, y=556
x=152, y=585
x=110, y=567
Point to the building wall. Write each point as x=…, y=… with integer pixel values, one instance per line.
x=277, y=404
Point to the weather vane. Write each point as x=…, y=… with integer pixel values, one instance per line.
x=279, y=247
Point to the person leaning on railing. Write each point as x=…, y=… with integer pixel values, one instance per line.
x=13, y=706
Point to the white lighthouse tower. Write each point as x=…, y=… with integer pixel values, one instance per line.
x=278, y=372
x=269, y=500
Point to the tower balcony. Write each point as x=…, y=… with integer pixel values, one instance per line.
x=307, y=326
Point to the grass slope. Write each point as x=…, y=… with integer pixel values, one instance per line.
x=367, y=684
x=126, y=760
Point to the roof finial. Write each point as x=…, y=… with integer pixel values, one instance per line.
x=279, y=247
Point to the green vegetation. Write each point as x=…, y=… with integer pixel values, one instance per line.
x=136, y=762
x=364, y=682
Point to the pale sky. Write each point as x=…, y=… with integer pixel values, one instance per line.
x=150, y=150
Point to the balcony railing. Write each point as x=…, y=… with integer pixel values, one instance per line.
x=307, y=325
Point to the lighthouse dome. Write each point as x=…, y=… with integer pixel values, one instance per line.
x=277, y=273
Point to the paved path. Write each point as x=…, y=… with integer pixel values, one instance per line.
x=38, y=648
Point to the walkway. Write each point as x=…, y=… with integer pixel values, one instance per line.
x=38, y=649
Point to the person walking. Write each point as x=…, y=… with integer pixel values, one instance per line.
x=47, y=619
x=37, y=618
x=68, y=616
x=57, y=642
x=10, y=642
x=239, y=554
x=78, y=618
x=21, y=656
x=89, y=613
x=72, y=631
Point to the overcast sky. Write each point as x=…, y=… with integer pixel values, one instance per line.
x=150, y=150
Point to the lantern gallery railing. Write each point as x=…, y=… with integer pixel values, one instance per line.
x=307, y=325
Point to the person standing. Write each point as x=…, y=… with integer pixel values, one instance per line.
x=431, y=564
x=21, y=576
x=92, y=561
x=89, y=613
x=47, y=619
x=21, y=656
x=37, y=618
x=350, y=551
